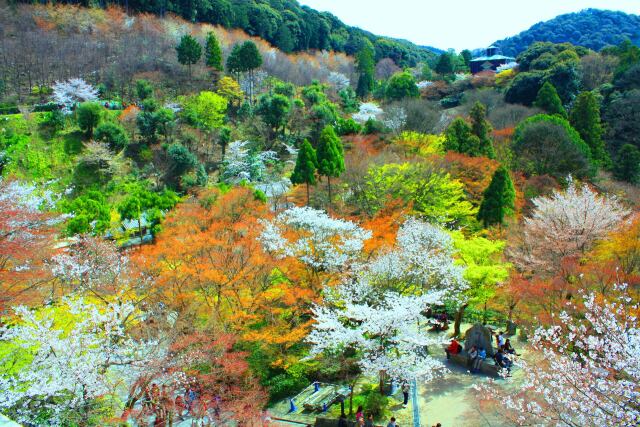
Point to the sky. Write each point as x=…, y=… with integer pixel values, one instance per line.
x=457, y=24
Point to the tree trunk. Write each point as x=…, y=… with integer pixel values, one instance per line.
x=307, y=194
x=329, y=184
x=459, y=314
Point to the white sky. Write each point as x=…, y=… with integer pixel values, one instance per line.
x=458, y=24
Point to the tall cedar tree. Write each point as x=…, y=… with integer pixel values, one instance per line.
x=330, y=156
x=213, y=52
x=549, y=101
x=365, y=64
x=627, y=165
x=445, y=64
x=306, y=166
x=189, y=51
x=481, y=128
x=585, y=118
x=499, y=199
x=245, y=58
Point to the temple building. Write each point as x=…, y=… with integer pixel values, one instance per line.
x=490, y=62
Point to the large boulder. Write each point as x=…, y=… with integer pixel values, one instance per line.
x=480, y=336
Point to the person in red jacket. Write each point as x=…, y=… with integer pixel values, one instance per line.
x=454, y=348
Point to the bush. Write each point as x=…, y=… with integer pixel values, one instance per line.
x=348, y=127
x=54, y=120
x=285, y=385
x=89, y=115
x=112, y=134
x=373, y=126
x=375, y=403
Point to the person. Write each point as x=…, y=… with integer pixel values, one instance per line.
x=359, y=413
x=473, y=355
x=369, y=421
x=503, y=361
x=405, y=393
x=454, y=348
x=508, y=348
x=342, y=422
x=500, y=340
x=482, y=355
x=392, y=422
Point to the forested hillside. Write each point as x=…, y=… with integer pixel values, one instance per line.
x=283, y=23
x=591, y=28
x=198, y=228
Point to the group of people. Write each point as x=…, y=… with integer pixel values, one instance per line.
x=361, y=420
x=477, y=356
x=159, y=402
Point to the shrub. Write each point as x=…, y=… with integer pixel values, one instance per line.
x=89, y=115
x=372, y=126
x=112, y=134
x=348, y=127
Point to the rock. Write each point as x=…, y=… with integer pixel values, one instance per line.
x=480, y=336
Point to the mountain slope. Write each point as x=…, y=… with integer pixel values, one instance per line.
x=592, y=28
x=285, y=24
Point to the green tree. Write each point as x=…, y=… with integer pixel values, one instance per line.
x=189, y=51
x=330, y=156
x=627, y=165
x=365, y=65
x=466, y=56
x=499, y=199
x=181, y=160
x=585, y=118
x=306, y=166
x=205, y=110
x=213, y=53
x=549, y=101
x=234, y=64
x=402, y=85
x=144, y=89
x=245, y=58
x=224, y=138
x=481, y=128
x=140, y=201
x=89, y=115
x=548, y=145
x=91, y=213
x=112, y=134
x=274, y=110
x=457, y=136
x=444, y=65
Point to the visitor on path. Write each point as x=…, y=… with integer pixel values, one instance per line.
x=454, y=348
x=359, y=413
x=405, y=393
x=508, y=348
x=482, y=355
x=500, y=340
x=473, y=355
x=392, y=423
x=503, y=361
x=369, y=421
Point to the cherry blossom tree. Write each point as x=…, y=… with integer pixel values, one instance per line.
x=26, y=237
x=589, y=370
x=421, y=261
x=338, y=81
x=62, y=363
x=241, y=163
x=318, y=240
x=367, y=111
x=72, y=92
x=565, y=224
x=381, y=326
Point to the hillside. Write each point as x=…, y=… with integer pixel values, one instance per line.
x=285, y=24
x=590, y=28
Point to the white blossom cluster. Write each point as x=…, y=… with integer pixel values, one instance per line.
x=507, y=66
x=322, y=242
x=90, y=262
x=424, y=84
x=422, y=259
x=395, y=118
x=591, y=372
x=73, y=91
x=69, y=364
x=567, y=223
x=243, y=164
x=338, y=81
x=381, y=327
x=367, y=111
x=27, y=196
